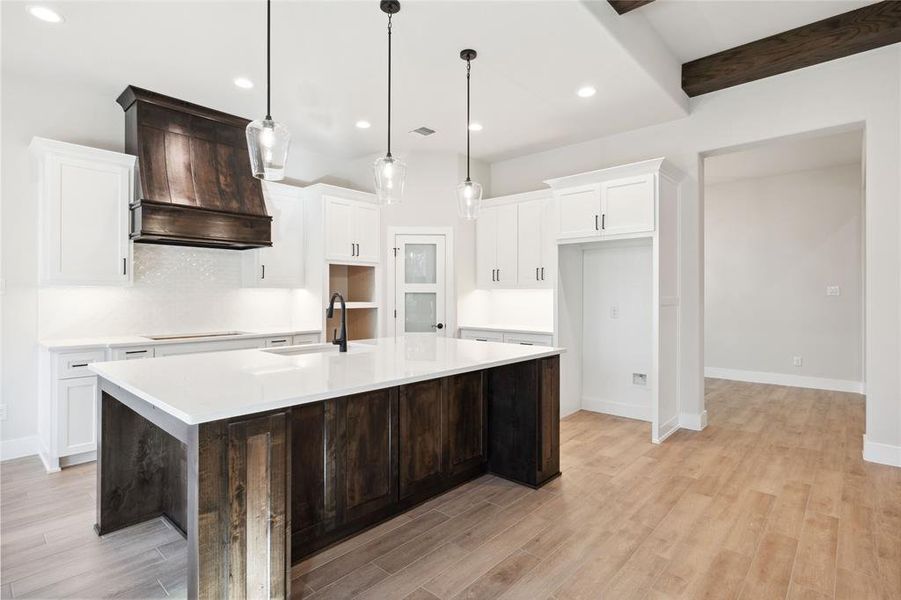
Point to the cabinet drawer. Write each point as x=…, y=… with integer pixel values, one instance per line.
x=133, y=353
x=75, y=364
x=529, y=339
x=481, y=335
x=305, y=338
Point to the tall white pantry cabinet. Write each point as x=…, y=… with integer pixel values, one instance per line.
x=617, y=292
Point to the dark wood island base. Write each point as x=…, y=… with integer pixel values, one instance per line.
x=253, y=494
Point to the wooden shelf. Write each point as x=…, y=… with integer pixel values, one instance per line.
x=355, y=282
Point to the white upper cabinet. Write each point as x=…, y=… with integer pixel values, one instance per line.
x=496, y=246
x=515, y=242
x=619, y=201
x=535, y=257
x=579, y=212
x=627, y=205
x=351, y=230
x=282, y=264
x=83, y=198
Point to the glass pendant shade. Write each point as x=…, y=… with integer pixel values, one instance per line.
x=267, y=144
x=389, y=173
x=469, y=200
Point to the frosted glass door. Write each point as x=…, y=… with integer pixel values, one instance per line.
x=420, y=284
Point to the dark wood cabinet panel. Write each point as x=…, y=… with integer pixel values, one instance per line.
x=313, y=473
x=421, y=432
x=465, y=423
x=367, y=430
x=524, y=421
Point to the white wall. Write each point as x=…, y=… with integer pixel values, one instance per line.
x=617, y=318
x=176, y=289
x=772, y=245
x=858, y=89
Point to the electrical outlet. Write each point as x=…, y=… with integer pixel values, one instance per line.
x=797, y=361
x=833, y=290
x=639, y=379
x=2, y=412
x=614, y=311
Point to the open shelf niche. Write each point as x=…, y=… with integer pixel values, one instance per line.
x=357, y=283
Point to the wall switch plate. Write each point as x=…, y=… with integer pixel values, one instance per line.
x=614, y=311
x=797, y=361
x=833, y=290
x=639, y=379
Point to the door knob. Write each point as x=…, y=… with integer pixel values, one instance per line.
x=439, y=326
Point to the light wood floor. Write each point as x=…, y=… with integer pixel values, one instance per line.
x=772, y=500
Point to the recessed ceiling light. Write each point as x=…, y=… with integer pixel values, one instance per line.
x=475, y=127
x=45, y=14
x=243, y=83
x=586, y=91
x=363, y=124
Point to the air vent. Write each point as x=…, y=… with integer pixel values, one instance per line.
x=423, y=131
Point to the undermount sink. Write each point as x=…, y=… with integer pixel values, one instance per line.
x=189, y=336
x=316, y=349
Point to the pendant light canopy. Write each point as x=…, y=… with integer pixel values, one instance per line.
x=469, y=193
x=268, y=141
x=389, y=172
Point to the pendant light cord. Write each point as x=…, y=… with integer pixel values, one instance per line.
x=389, y=85
x=268, y=60
x=468, y=68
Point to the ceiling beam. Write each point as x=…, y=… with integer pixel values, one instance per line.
x=624, y=6
x=856, y=31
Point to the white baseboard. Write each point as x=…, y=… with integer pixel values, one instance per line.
x=801, y=381
x=19, y=447
x=617, y=409
x=667, y=429
x=693, y=421
x=884, y=454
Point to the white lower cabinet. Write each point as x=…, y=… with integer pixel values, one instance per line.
x=76, y=423
x=507, y=337
x=305, y=338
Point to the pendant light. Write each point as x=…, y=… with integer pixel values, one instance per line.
x=388, y=171
x=469, y=193
x=268, y=141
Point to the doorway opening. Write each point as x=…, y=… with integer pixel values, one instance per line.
x=784, y=264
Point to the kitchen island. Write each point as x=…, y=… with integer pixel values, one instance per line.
x=261, y=457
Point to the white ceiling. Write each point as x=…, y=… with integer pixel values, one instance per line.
x=787, y=155
x=329, y=62
x=693, y=28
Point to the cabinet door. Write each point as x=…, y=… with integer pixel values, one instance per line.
x=529, y=243
x=548, y=242
x=366, y=232
x=579, y=212
x=506, y=245
x=421, y=437
x=339, y=216
x=313, y=475
x=84, y=221
x=368, y=454
x=486, y=248
x=77, y=415
x=628, y=205
x=282, y=264
x=465, y=423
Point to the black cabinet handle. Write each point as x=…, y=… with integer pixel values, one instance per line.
x=536, y=274
x=278, y=341
x=76, y=365
x=603, y=221
x=498, y=274
x=263, y=275
x=542, y=273
x=352, y=249
x=358, y=249
x=125, y=266
x=596, y=228
x=135, y=352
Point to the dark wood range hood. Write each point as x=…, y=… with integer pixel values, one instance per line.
x=195, y=187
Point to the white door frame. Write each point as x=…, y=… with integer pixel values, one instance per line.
x=450, y=276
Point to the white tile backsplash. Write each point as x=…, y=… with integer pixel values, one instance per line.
x=176, y=289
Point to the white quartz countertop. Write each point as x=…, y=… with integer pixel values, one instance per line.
x=198, y=388
x=121, y=341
